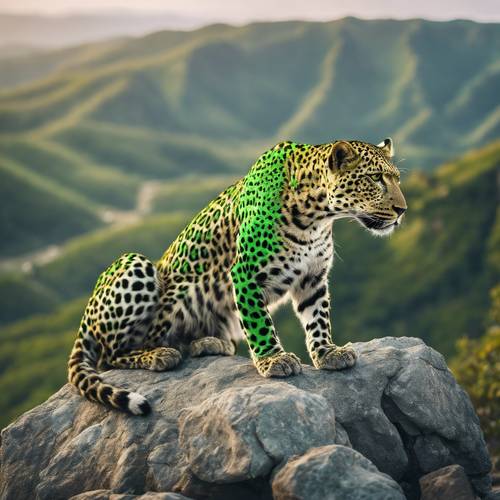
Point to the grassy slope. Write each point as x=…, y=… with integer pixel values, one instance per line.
x=22, y=297
x=98, y=183
x=36, y=211
x=430, y=279
x=33, y=363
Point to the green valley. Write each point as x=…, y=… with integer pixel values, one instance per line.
x=113, y=146
x=94, y=121
x=430, y=279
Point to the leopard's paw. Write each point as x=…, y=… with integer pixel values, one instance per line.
x=211, y=346
x=282, y=364
x=336, y=358
x=162, y=359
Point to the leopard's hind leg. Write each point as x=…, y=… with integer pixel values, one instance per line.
x=114, y=332
x=158, y=359
x=134, y=347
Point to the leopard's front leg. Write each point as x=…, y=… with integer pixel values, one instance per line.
x=311, y=301
x=268, y=355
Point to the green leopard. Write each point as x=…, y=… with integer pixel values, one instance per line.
x=265, y=239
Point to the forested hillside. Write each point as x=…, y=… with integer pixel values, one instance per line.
x=112, y=147
x=430, y=279
x=91, y=123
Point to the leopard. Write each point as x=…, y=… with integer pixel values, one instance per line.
x=265, y=240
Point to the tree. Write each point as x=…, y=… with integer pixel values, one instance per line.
x=477, y=368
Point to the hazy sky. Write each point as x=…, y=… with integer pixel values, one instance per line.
x=234, y=11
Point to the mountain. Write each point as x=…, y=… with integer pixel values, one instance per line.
x=39, y=31
x=431, y=85
x=430, y=279
x=95, y=122
x=113, y=146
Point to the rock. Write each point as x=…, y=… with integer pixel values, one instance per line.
x=448, y=483
x=247, y=432
x=333, y=473
x=109, y=495
x=219, y=430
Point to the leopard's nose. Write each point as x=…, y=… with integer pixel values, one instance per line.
x=399, y=210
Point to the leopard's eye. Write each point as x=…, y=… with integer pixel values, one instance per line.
x=376, y=177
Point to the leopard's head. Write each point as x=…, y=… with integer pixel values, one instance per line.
x=364, y=184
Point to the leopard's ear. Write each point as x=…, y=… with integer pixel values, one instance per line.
x=387, y=147
x=341, y=156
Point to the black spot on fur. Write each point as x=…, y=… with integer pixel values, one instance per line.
x=310, y=301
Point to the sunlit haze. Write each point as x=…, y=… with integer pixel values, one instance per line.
x=238, y=12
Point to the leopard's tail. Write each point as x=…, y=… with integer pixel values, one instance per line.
x=82, y=373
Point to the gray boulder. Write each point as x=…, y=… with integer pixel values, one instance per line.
x=219, y=430
x=249, y=431
x=333, y=473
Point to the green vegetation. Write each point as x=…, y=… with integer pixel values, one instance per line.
x=22, y=297
x=96, y=121
x=477, y=368
x=36, y=211
x=135, y=152
x=74, y=173
x=190, y=111
x=430, y=279
x=33, y=359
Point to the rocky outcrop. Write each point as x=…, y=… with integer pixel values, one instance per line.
x=219, y=430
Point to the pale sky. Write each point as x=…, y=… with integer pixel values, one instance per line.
x=250, y=10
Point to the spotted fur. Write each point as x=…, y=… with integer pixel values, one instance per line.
x=263, y=240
